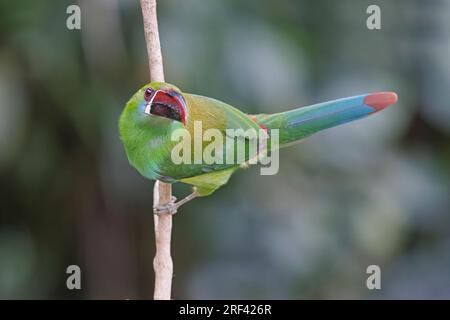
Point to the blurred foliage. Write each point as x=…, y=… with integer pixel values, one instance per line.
x=371, y=192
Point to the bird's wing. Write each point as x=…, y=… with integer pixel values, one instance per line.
x=214, y=114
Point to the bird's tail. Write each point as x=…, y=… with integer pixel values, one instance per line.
x=299, y=123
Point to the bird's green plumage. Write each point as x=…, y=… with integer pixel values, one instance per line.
x=148, y=144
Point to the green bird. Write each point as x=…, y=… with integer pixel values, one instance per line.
x=159, y=109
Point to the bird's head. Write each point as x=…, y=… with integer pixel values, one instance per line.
x=157, y=103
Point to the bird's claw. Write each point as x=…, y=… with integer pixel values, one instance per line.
x=167, y=208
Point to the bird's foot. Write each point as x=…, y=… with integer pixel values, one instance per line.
x=166, y=208
x=172, y=206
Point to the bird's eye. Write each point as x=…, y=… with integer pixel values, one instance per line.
x=148, y=94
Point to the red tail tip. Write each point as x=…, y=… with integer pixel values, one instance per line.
x=380, y=100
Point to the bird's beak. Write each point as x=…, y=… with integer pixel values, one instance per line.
x=171, y=99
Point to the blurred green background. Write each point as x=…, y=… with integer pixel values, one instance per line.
x=371, y=192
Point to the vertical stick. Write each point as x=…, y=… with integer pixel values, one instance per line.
x=155, y=60
x=162, y=263
x=162, y=192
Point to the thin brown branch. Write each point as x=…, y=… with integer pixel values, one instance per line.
x=162, y=193
x=162, y=263
x=155, y=60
